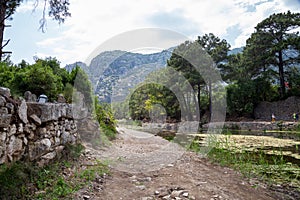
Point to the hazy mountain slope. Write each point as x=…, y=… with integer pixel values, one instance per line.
x=112, y=67
x=116, y=72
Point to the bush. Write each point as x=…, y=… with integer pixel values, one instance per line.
x=106, y=119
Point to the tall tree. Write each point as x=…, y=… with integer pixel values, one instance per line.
x=218, y=50
x=179, y=62
x=269, y=46
x=57, y=9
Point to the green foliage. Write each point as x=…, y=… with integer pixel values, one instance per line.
x=82, y=85
x=267, y=47
x=92, y=172
x=106, y=119
x=293, y=78
x=241, y=98
x=268, y=61
x=68, y=92
x=119, y=110
x=40, y=79
x=10, y=7
x=217, y=49
x=72, y=152
x=45, y=77
x=7, y=74
x=54, y=64
x=179, y=62
x=21, y=180
x=144, y=99
x=200, y=63
x=194, y=146
x=273, y=169
x=12, y=179
x=28, y=181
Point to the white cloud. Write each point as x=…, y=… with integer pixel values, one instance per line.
x=25, y=7
x=95, y=21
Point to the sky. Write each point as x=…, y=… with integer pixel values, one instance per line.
x=94, y=22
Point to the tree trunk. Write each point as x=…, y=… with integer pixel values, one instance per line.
x=210, y=99
x=199, y=103
x=198, y=115
x=281, y=74
x=2, y=25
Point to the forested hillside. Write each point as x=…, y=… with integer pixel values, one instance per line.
x=266, y=69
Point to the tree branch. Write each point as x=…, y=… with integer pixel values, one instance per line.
x=43, y=20
x=6, y=43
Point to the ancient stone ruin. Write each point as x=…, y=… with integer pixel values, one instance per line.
x=283, y=110
x=36, y=132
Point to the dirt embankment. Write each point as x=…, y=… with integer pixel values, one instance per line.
x=146, y=167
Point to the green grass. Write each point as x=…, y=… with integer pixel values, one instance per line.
x=273, y=169
x=109, y=132
x=59, y=180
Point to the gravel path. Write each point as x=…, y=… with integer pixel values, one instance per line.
x=147, y=167
x=136, y=151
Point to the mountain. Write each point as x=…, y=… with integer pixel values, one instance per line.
x=82, y=65
x=114, y=73
x=236, y=51
x=122, y=70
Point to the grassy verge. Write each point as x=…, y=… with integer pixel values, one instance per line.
x=59, y=180
x=272, y=169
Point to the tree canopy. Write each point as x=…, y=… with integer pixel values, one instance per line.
x=43, y=77
x=267, y=68
x=269, y=50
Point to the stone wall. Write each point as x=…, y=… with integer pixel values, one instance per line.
x=283, y=110
x=253, y=126
x=33, y=131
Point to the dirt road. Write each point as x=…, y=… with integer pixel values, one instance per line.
x=146, y=167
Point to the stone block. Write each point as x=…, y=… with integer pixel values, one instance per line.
x=56, y=140
x=12, y=130
x=15, y=147
x=3, y=110
x=61, y=99
x=65, y=137
x=5, y=120
x=42, y=131
x=3, y=136
x=2, y=101
x=35, y=119
x=36, y=149
x=2, y=155
x=5, y=92
x=22, y=112
x=29, y=97
x=25, y=141
x=20, y=128
x=46, y=143
x=48, y=111
x=10, y=107
x=49, y=156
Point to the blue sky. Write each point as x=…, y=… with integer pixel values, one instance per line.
x=95, y=21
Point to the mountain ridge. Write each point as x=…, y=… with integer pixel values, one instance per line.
x=111, y=68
